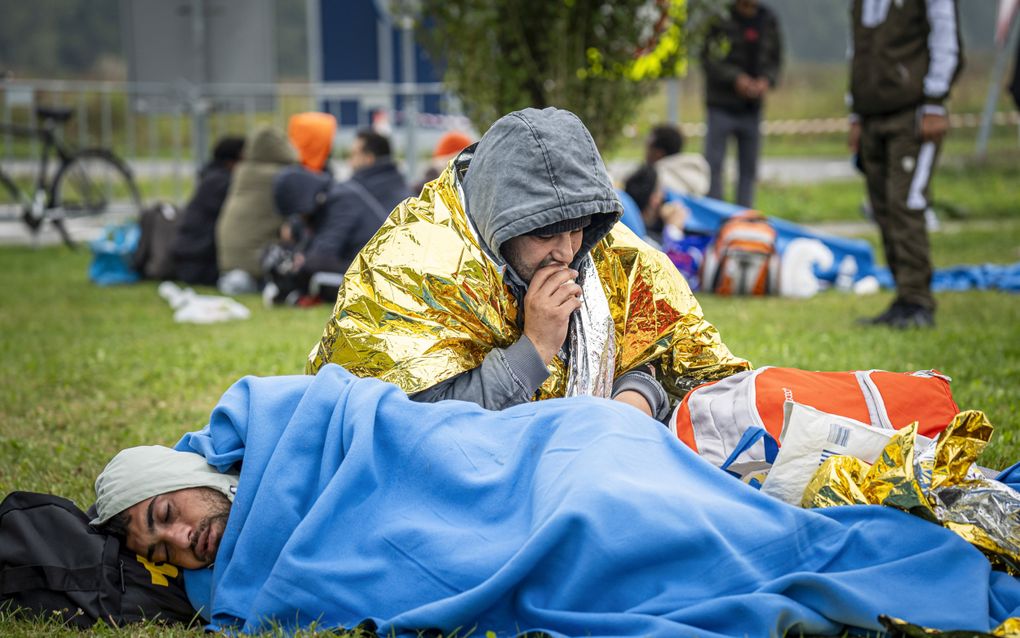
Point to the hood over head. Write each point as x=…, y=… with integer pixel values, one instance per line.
x=142, y=472
x=297, y=190
x=312, y=135
x=534, y=169
x=267, y=144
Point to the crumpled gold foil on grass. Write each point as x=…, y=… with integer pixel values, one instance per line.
x=1010, y=628
x=939, y=485
x=423, y=302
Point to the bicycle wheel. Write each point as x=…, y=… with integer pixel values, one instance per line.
x=11, y=205
x=93, y=182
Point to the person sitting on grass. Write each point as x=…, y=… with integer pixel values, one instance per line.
x=328, y=222
x=508, y=280
x=338, y=501
x=194, y=246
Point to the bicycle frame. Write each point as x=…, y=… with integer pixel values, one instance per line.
x=51, y=143
x=47, y=201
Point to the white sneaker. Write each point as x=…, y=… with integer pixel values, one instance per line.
x=269, y=294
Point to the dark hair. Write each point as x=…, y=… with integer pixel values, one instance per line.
x=641, y=185
x=116, y=525
x=228, y=149
x=375, y=143
x=667, y=138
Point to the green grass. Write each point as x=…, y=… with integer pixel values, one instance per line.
x=962, y=189
x=816, y=90
x=87, y=371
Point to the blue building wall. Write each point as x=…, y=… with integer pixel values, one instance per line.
x=350, y=53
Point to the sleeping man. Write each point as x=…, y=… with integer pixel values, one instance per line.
x=338, y=501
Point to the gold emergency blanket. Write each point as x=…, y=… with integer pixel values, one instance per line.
x=941, y=484
x=423, y=302
x=1010, y=628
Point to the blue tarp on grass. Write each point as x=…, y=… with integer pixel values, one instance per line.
x=579, y=517
x=1005, y=277
x=708, y=214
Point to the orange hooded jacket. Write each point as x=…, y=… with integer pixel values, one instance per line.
x=311, y=134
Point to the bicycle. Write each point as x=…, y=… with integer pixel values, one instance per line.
x=86, y=182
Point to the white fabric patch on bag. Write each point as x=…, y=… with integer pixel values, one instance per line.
x=809, y=437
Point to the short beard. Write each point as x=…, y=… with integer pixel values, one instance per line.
x=219, y=511
x=513, y=257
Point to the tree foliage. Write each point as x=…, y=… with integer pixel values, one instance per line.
x=55, y=38
x=597, y=58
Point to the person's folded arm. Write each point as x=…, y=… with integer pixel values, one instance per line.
x=506, y=377
x=648, y=387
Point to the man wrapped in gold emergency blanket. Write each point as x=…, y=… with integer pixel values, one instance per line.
x=436, y=301
x=941, y=484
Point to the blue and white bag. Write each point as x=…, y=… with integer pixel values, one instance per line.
x=112, y=253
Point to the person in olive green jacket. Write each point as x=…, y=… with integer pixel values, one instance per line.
x=249, y=222
x=906, y=56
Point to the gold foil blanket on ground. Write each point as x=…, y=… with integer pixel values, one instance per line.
x=940, y=484
x=423, y=302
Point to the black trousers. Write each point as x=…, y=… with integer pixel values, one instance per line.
x=898, y=167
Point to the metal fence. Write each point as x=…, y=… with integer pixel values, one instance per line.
x=164, y=131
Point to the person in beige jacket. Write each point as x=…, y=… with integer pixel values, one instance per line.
x=249, y=221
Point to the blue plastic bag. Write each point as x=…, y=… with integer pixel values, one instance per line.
x=687, y=252
x=111, y=255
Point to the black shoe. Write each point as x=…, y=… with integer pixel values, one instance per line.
x=913, y=316
x=884, y=319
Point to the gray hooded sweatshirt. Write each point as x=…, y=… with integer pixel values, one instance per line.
x=531, y=169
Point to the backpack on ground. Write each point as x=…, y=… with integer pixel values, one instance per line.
x=54, y=565
x=714, y=417
x=742, y=260
x=154, y=258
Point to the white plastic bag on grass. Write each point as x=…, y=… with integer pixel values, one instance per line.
x=193, y=308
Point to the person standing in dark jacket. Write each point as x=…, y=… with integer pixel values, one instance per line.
x=194, y=247
x=906, y=55
x=741, y=57
x=330, y=222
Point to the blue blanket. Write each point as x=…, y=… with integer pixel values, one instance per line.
x=707, y=216
x=576, y=516
x=1004, y=277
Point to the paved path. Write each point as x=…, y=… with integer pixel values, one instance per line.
x=780, y=170
x=776, y=170
x=82, y=230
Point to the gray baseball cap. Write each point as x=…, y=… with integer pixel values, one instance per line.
x=138, y=473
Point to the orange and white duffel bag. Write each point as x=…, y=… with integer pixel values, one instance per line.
x=714, y=418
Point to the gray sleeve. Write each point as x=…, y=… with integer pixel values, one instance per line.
x=507, y=377
x=647, y=386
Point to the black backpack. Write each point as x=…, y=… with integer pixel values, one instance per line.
x=52, y=562
x=154, y=257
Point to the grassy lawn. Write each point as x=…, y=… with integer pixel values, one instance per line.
x=87, y=371
x=962, y=189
